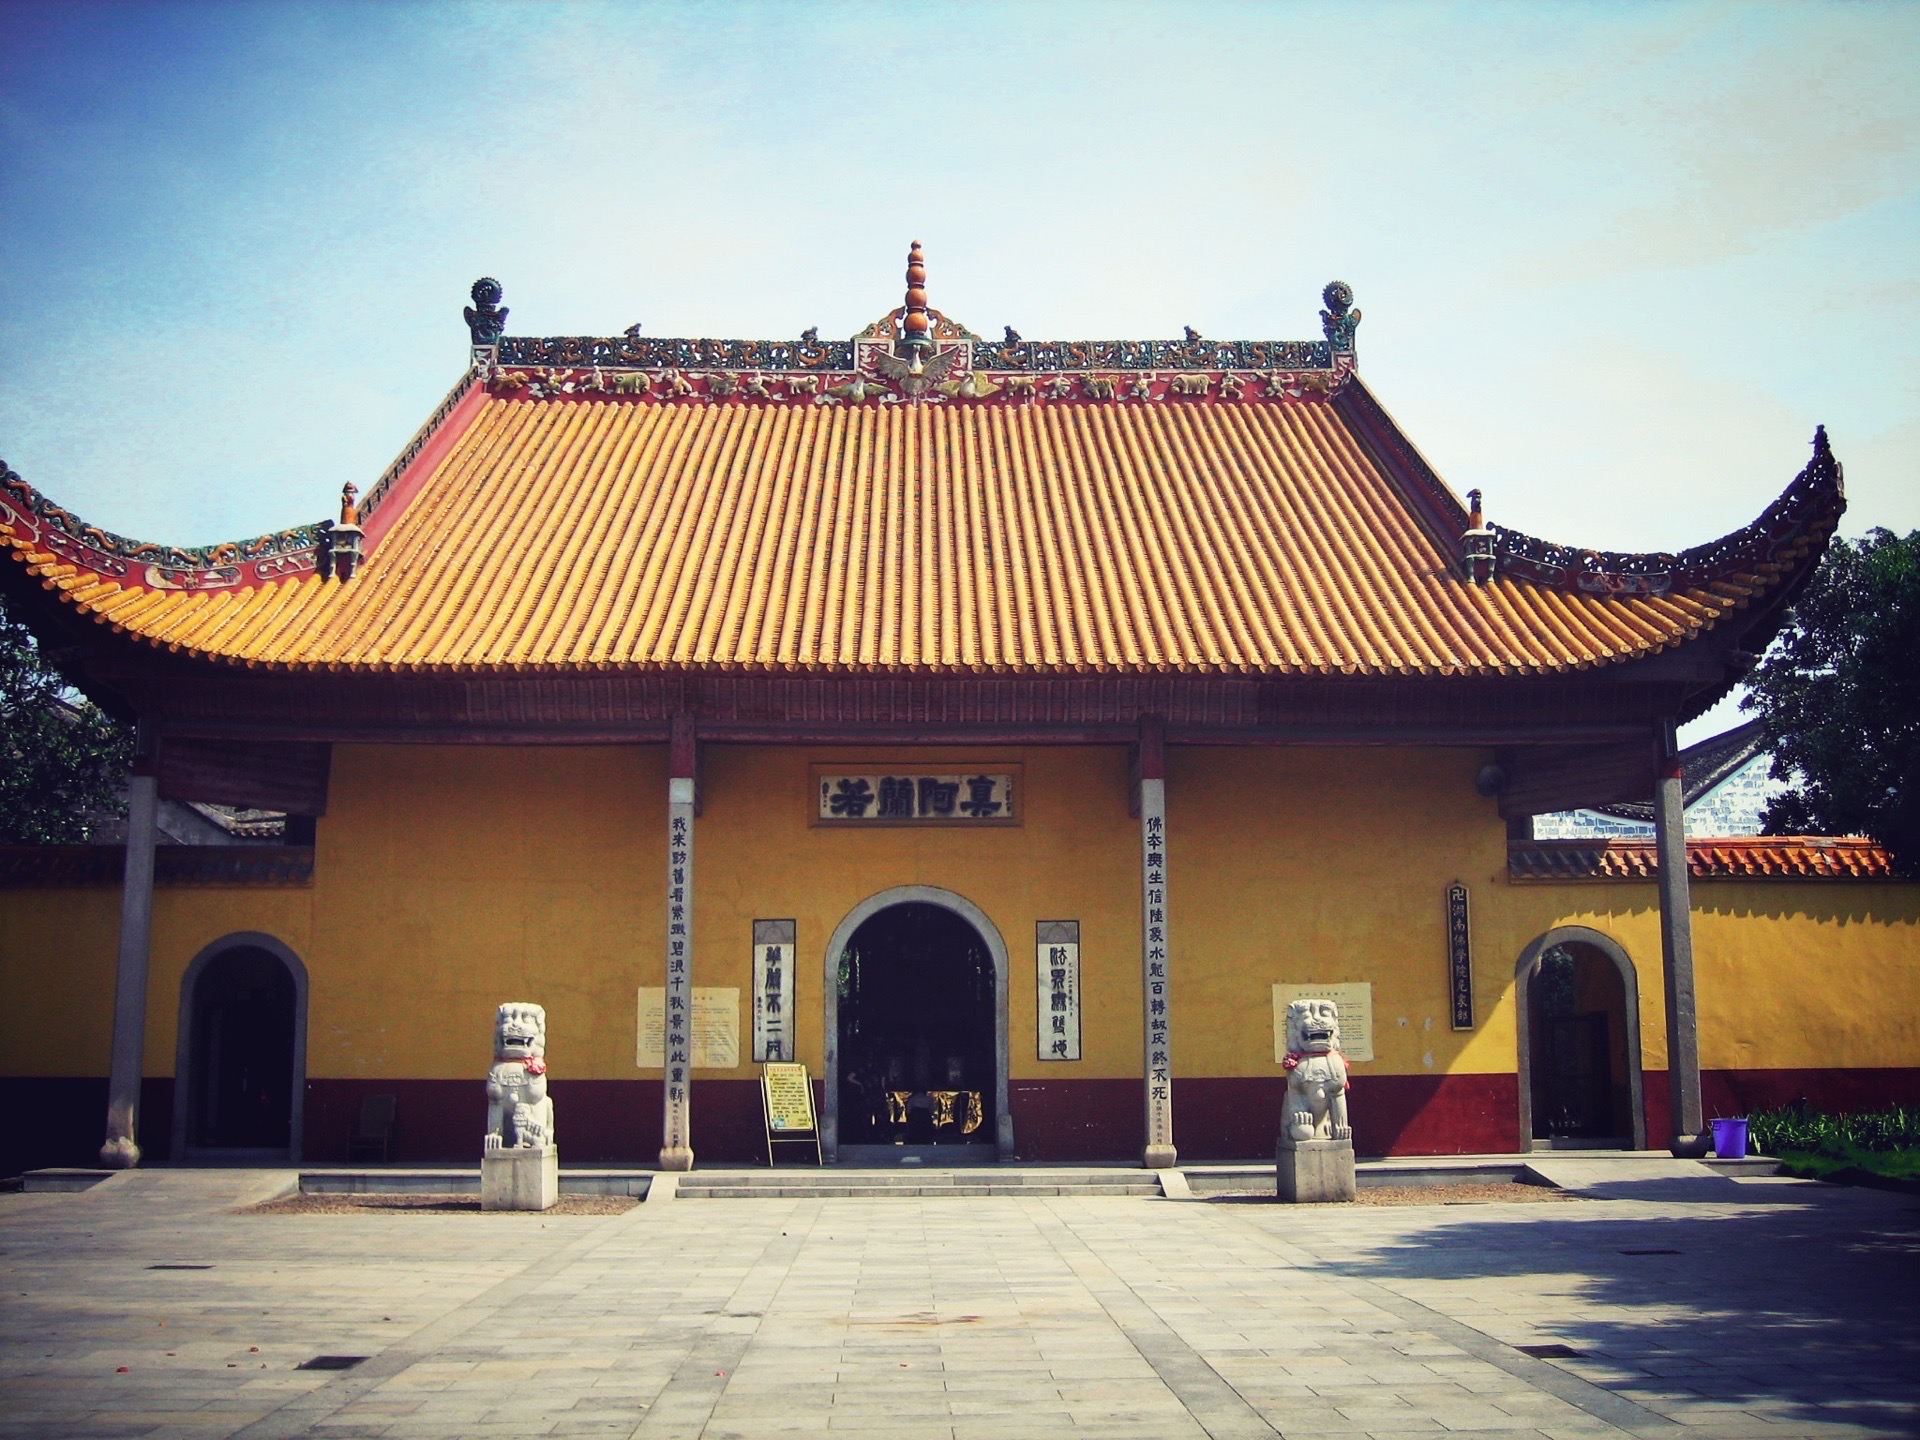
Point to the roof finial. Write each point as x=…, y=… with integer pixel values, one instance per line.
x=486, y=317
x=916, y=330
x=1820, y=447
x=344, y=539
x=1339, y=320
x=1478, y=550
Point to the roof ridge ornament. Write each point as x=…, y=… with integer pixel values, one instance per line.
x=916, y=330
x=1477, y=548
x=1339, y=320
x=344, y=538
x=486, y=320
x=917, y=364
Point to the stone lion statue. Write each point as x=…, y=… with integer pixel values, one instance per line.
x=519, y=1114
x=1316, y=1073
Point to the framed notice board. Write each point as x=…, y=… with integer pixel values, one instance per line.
x=786, y=1101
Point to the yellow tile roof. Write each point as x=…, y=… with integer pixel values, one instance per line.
x=1023, y=534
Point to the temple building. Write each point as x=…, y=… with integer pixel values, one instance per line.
x=1005, y=730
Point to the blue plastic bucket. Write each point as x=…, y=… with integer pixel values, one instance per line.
x=1730, y=1139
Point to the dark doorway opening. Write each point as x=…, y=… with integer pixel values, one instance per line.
x=917, y=1013
x=241, y=1077
x=1579, y=1049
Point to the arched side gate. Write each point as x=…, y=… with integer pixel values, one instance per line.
x=1532, y=1045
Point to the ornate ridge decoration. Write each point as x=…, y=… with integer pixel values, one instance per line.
x=38, y=521
x=1805, y=514
x=1291, y=369
x=869, y=378
x=583, y=352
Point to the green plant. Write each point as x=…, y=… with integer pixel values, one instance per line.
x=1840, y=696
x=1799, y=1127
x=62, y=760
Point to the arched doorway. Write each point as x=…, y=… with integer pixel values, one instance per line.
x=240, y=1065
x=1579, y=1042
x=916, y=1030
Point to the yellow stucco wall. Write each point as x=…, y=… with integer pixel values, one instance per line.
x=1787, y=974
x=449, y=879
x=1326, y=866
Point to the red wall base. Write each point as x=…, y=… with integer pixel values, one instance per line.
x=618, y=1121
x=1743, y=1092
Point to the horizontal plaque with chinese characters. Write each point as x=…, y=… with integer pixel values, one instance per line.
x=876, y=796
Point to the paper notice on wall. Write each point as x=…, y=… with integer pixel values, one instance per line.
x=1356, y=1016
x=716, y=1027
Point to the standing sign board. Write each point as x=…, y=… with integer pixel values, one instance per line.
x=786, y=1096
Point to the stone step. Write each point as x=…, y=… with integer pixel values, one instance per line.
x=59, y=1181
x=787, y=1184
x=828, y=1190
x=1238, y=1179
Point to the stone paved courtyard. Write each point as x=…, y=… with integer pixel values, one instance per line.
x=1773, y=1309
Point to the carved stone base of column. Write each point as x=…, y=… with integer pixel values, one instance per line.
x=1159, y=1157
x=526, y=1179
x=119, y=1153
x=676, y=1159
x=1314, y=1172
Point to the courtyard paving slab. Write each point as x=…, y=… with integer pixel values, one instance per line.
x=1681, y=1306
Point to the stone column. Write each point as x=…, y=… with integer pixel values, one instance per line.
x=676, y=1148
x=1676, y=949
x=121, y=1151
x=1150, y=796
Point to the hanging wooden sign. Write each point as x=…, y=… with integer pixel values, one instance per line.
x=1459, y=958
x=786, y=1101
x=1057, y=998
x=773, y=990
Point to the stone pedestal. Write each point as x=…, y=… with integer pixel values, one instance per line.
x=526, y=1179
x=1314, y=1172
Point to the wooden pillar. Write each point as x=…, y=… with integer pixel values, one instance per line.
x=676, y=1148
x=1150, y=803
x=1676, y=949
x=121, y=1150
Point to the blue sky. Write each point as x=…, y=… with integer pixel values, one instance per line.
x=1615, y=261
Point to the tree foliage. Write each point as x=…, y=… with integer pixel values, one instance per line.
x=63, y=760
x=1839, y=693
